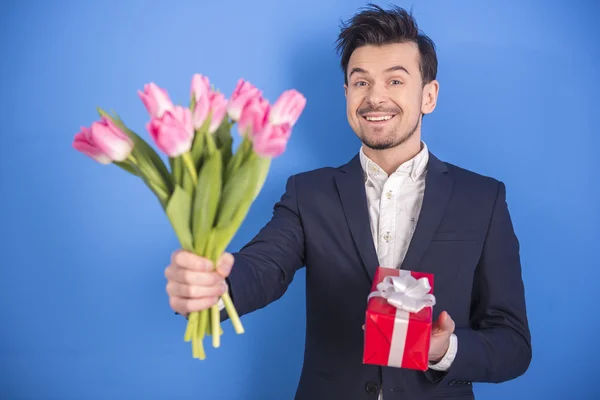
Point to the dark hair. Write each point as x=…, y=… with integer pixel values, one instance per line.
x=376, y=26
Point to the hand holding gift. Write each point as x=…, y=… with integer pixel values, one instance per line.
x=441, y=331
x=208, y=189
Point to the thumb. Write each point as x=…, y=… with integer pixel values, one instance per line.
x=446, y=322
x=225, y=264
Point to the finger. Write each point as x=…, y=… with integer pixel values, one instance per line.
x=191, y=277
x=191, y=292
x=185, y=306
x=225, y=264
x=188, y=260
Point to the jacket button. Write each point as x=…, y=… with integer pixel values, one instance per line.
x=371, y=388
x=452, y=382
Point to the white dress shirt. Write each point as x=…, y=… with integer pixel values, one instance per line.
x=394, y=204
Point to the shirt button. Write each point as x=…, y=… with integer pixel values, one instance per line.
x=387, y=237
x=389, y=195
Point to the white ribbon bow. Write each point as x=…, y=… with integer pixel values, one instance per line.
x=405, y=292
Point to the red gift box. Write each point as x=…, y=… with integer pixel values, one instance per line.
x=396, y=334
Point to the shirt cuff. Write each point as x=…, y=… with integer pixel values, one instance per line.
x=448, y=358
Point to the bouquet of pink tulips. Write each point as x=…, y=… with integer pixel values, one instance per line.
x=208, y=189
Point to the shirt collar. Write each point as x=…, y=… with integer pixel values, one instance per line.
x=414, y=167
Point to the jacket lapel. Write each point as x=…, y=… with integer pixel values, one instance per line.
x=438, y=187
x=351, y=188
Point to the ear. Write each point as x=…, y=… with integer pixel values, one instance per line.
x=345, y=90
x=430, y=95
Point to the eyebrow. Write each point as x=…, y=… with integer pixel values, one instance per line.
x=391, y=69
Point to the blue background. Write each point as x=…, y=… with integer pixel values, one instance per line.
x=83, y=306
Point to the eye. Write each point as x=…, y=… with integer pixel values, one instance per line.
x=360, y=83
x=396, y=82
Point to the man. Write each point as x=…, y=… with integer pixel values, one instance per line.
x=396, y=205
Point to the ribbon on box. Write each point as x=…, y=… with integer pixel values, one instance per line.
x=405, y=292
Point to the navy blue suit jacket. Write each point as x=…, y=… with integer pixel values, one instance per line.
x=464, y=236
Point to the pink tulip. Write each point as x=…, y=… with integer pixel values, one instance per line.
x=287, y=108
x=254, y=116
x=173, y=132
x=104, y=142
x=200, y=86
x=272, y=140
x=242, y=94
x=200, y=91
x=218, y=107
x=83, y=142
x=207, y=101
x=156, y=100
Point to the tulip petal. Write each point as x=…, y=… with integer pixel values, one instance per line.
x=84, y=145
x=111, y=140
x=287, y=108
x=243, y=93
x=218, y=107
x=155, y=99
x=272, y=140
x=253, y=117
x=173, y=133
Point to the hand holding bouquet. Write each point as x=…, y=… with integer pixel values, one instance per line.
x=208, y=189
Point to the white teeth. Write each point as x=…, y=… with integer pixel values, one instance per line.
x=384, y=118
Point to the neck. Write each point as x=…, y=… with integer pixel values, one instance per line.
x=390, y=159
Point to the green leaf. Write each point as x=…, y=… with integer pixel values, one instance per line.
x=176, y=170
x=234, y=212
x=241, y=154
x=206, y=202
x=127, y=167
x=224, y=141
x=211, y=145
x=159, y=191
x=179, y=213
x=222, y=235
x=236, y=189
x=149, y=162
x=199, y=143
x=263, y=165
x=161, y=194
x=188, y=184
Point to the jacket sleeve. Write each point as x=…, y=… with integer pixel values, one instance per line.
x=497, y=345
x=264, y=267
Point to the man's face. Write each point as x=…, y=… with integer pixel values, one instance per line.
x=385, y=97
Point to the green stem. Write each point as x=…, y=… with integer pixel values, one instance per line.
x=131, y=158
x=215, y=252
x=216, y=328
x=233, y=315
x=203, y=323
x=200, y=354
x=189, y=164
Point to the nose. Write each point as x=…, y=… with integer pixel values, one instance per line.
x=376, y=95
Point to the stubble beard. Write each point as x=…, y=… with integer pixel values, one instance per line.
x=392, y=139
